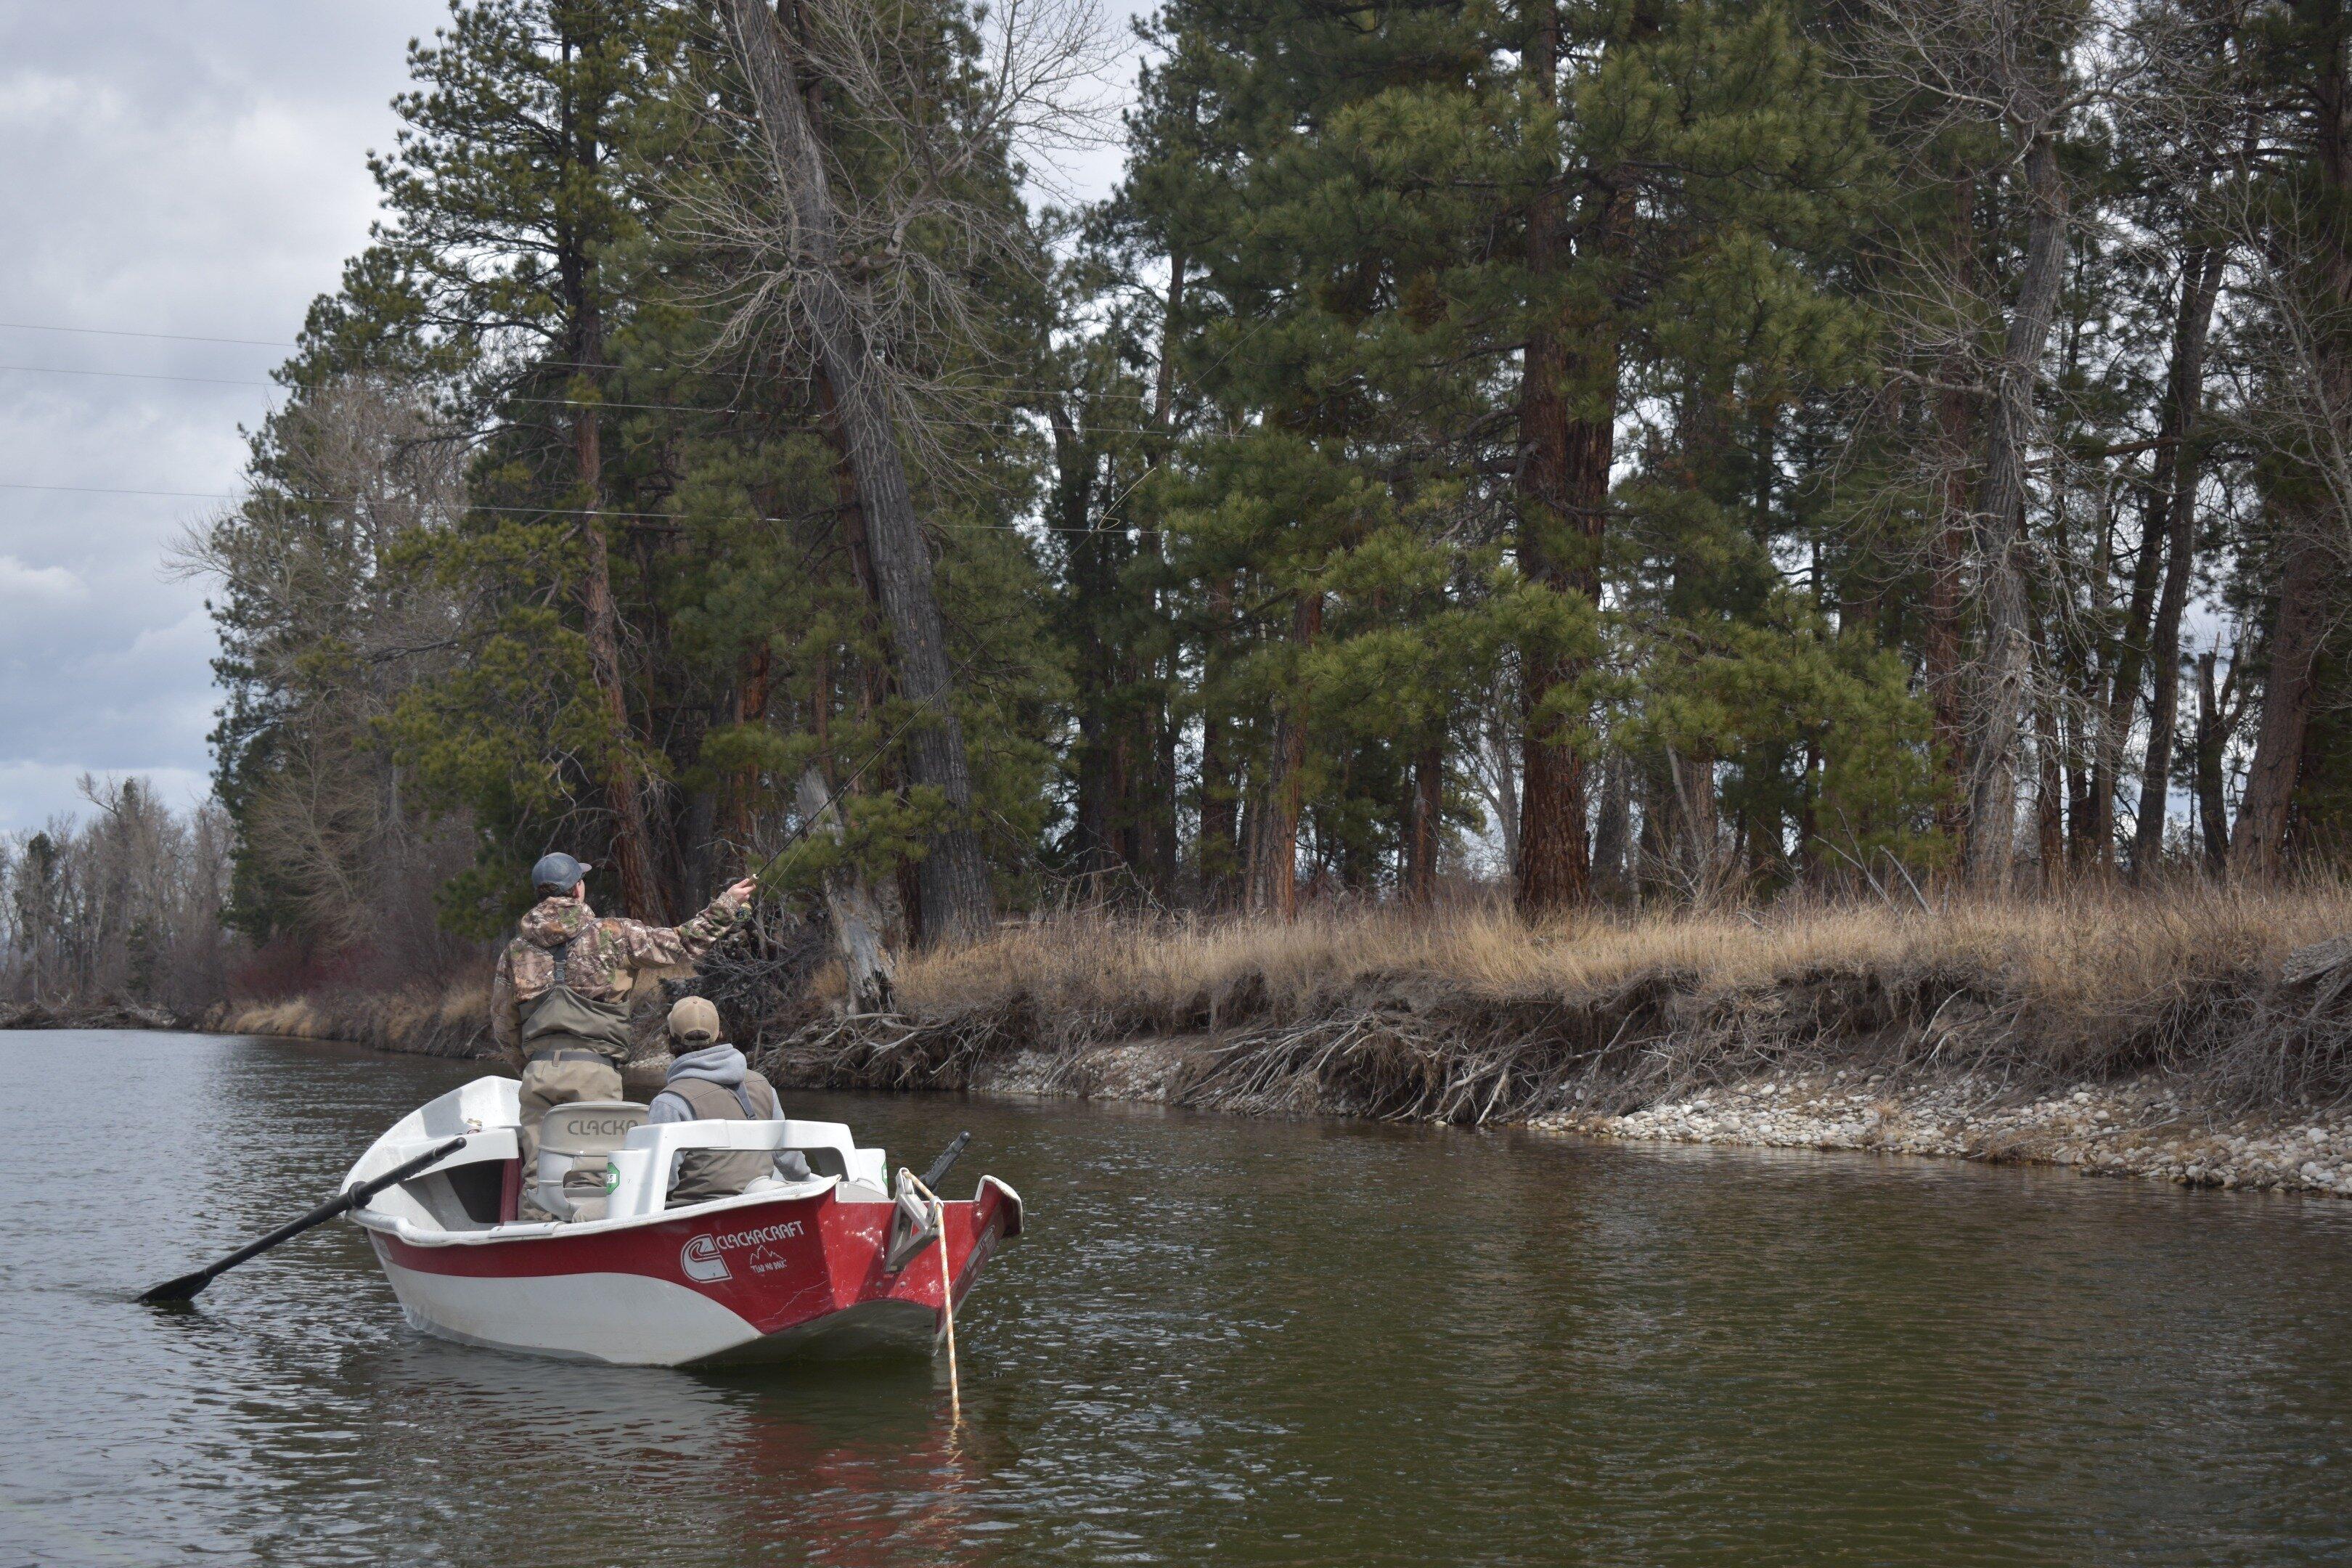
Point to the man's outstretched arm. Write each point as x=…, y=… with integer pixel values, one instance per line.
x=655, y=947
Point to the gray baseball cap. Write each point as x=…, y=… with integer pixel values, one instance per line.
x=558, y=870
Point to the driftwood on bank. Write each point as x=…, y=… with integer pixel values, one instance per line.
x=854, y=912
x=104, y=1013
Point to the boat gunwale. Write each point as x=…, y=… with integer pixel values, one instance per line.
x=543, y=1230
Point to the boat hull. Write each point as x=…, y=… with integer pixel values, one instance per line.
x=743, y=1280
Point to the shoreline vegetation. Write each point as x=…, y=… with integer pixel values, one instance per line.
x=2196, y=1032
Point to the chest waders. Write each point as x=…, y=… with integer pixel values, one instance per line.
x=562, y=1022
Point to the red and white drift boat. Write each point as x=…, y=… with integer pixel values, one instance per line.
x=833, y=1265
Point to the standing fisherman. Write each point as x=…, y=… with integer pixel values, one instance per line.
x=558, y=1003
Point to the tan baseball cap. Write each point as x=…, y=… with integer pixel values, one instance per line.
x=694, y=1020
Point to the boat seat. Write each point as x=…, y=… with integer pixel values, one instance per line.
x=824, y=1160
x=590, y=1126
x=576, y=1142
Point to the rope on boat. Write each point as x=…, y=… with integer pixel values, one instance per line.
x=946, y=1291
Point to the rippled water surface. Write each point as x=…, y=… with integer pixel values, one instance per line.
x=1223, y=1340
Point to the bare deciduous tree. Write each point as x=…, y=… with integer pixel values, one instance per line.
x=322, y=630
x=867, y=273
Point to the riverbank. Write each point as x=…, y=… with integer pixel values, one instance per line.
x=450, y=1020
x=2198, y=1034
x=100, y=1015
x=2152, y=1126
x=2194, y=1032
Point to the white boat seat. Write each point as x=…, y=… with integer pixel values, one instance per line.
x=590, y=1126
x=645, y=1164
x=822, y=1160
x=576, y=1144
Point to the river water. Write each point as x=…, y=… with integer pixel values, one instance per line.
x=1222, y=1340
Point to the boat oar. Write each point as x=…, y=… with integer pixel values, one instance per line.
x=185, y=1287
x=946, y=1162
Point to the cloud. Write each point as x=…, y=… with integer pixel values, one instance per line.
x=195, y=166
x=53, y=584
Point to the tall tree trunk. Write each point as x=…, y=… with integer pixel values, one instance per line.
x=1101, y=787
x=1221, y=845
x=1948, y=542
x=1698, y=828
x=1809, y=810
x=2114, y=721
x=1090, y=832
x=2215, y=723
x=2005, y=687
x=753, y=667
x=2049, y=796
x=632, y=858
x=957, y=901
x=1274, y=848
x=633, y=854
x=1162, y=814
x=2259, y=843
x=2200, y=282
x=1563, y=485
x=1421, y=841
x=1612, y=829
x=850, y=906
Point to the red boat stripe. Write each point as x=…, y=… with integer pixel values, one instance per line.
x=773, y=1264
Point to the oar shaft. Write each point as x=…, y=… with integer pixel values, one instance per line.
x=324, y=1212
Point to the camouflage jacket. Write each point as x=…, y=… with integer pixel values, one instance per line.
x=605, y=956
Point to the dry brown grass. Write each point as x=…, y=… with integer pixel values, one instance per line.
x=2081, y=954
x=450, y=1019
x=1468, y=1014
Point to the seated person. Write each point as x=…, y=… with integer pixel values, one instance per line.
x=708, y=1081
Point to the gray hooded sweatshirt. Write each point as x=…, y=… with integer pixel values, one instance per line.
x=720, y=1064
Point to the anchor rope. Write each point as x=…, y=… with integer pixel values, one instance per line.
x=946, y=1291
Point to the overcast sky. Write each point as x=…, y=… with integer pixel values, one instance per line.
x=193, y=167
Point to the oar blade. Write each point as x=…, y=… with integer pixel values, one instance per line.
x=172, y=1292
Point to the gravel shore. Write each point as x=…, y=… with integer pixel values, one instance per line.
x=2148, y=1128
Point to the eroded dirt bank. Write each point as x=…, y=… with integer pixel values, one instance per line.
x=2146, y=1127
x=2200, y=1034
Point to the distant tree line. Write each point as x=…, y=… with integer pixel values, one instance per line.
x=122, y=906
x=1660, y=449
